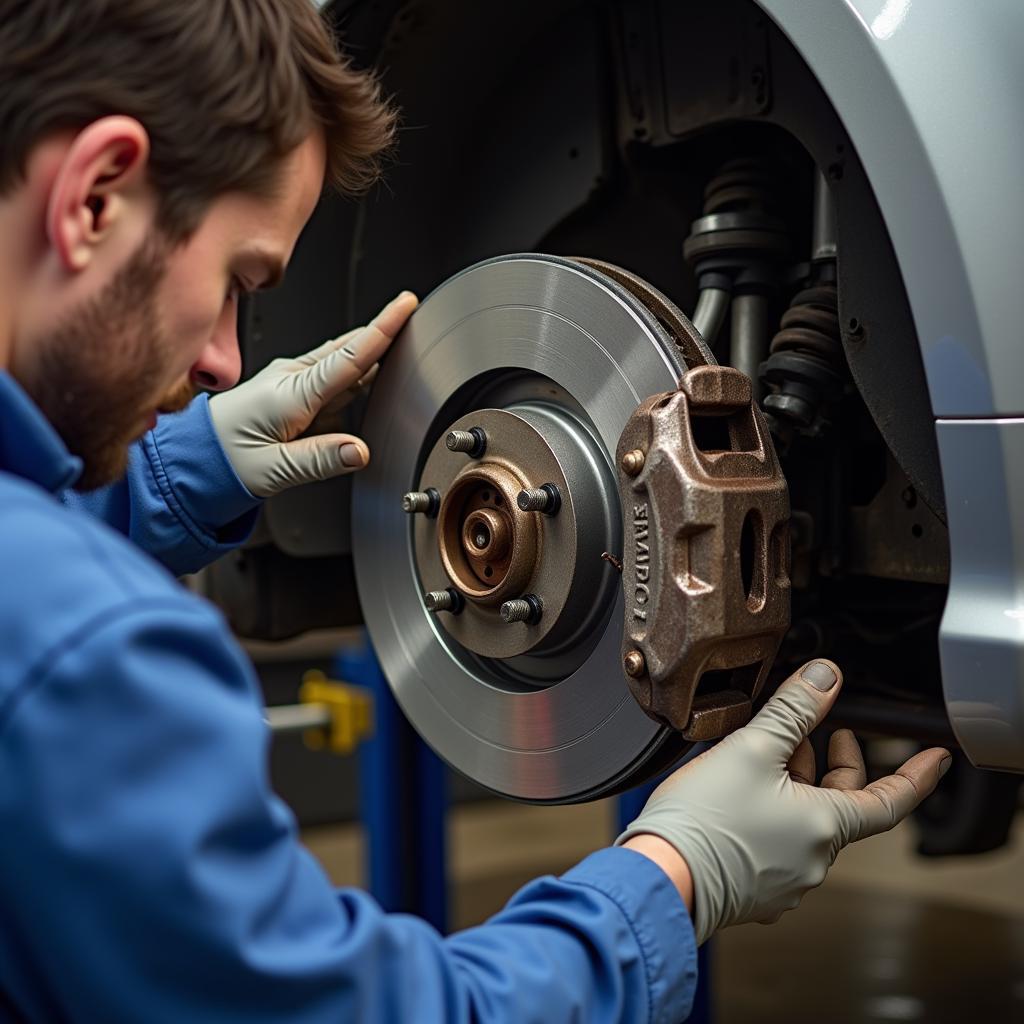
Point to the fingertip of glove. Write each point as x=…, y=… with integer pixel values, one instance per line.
x=401, y=300
x=820, y=674
x=352, y=456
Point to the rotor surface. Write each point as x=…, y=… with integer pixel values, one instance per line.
x=534, y=336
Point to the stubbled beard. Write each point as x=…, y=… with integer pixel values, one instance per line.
x=98, y=375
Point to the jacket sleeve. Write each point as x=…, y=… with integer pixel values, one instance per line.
x=180, y=500
x=154, y=875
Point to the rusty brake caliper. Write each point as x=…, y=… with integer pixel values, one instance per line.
x=706, y=564
x=705, y=514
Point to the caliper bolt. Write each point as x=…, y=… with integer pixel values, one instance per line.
x=473, y=442
x=424, y=502
x=634, y=664
x=545, y=498
x=633, y=462
x=449, y=600
x=527, y=608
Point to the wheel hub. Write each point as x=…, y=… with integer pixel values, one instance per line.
x=492, y=551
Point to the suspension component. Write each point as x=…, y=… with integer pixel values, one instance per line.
x=805, y=368
x=735, y=248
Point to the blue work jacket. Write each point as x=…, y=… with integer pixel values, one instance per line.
x=148, y=872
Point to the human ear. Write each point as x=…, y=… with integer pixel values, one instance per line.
x=99, y=182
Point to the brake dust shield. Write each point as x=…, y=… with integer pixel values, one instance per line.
x=490, y=600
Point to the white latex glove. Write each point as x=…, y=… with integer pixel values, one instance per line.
x=259, y=422
x=748, y=821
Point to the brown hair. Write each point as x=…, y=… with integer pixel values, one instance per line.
x=225, y=89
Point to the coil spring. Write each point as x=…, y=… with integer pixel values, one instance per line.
x=737, y=236
x=811, y=325
x=742, y=184
x=806, y=366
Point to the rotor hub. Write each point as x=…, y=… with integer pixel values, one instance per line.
x=488, y=548
x=491, y=550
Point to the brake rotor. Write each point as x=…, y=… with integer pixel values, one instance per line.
x=542, y=360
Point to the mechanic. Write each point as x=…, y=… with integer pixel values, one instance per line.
x=157, y=160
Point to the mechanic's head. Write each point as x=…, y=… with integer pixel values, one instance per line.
x=156, y=160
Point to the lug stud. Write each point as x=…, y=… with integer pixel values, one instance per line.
x=422, y=502
x=449, y=600
x=634, y=664
x=633, y=462
x=527, y=608
x=473, y=442
x=545, y=498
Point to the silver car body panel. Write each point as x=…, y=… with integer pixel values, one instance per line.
x=931, y=94
x=982, y=637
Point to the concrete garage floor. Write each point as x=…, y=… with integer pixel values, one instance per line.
x=889, y=937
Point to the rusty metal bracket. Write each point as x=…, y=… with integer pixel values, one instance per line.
x=706, y=562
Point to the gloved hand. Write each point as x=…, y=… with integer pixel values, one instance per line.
x=747, y=819
x=259, y=422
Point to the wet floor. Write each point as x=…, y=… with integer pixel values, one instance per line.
x=849, y=955
x=889, y=937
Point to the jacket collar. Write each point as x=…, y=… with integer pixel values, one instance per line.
x=29, y=446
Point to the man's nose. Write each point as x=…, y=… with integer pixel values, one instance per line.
x=219, y=365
